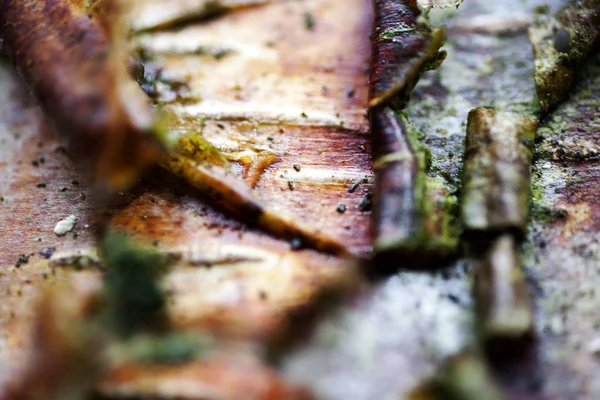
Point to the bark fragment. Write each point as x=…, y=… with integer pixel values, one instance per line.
x=402, y=48
x=410, y=209
x=152, y=15
x=497, y=170
x=495, y=212
x=413, y=213
x=70, y=54
x=503, y=301
x=561, y=44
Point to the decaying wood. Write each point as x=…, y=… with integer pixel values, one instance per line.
x=402, y=49
x=562, y=252
x=561, y=45
x=112, y=122
x=412, y=211
x=69, y=53
x=230, y=280
x=504, y=303
x=405, y=219
x=221, y=377
x=497, y=170
x=495, y=213
x=61, y=365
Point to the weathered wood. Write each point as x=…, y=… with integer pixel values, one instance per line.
x=561, y=44
x=405, y=219
x=497, y=170
x=413, y=212
x=403, y=47
x=504, y=306
x=72, y=55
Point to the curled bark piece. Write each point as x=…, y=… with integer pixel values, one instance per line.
x=503, y=302
x=410, y=211
x=68, y=52
x=413, y=213
x=561, y=43
x=497, y=169
x=403, y=47
x=203, y=167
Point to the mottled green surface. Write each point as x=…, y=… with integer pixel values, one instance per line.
x=563, y=252
x=435, y=230
x=134, y=299
x=562, y=43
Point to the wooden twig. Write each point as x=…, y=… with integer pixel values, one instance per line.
x=406, y=218
x=497, y=169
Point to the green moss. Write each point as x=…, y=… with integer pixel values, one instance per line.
x=437, y=205
x=309, y=21
x=23, y=259
x=194, y=146
x=415, y=138
x=172, y=348
x=90, y=5
x=400, y=31
x=135, y=300
x=555, y=70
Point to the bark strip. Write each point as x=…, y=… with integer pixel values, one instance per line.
x=561, y=44
x=497, y=170
x=70, y=54
x=410, y=208
x=402, y=49
x=504, y=304
x=495, y=213
x=150, y=15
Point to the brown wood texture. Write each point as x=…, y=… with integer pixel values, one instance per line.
x=231, y=279
x=242, y=284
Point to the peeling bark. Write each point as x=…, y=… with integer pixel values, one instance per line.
x=70, y=54
x=405, y=219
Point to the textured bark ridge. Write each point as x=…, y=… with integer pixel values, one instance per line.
x=495, y=213
x=412, y=211
x=70, y=54
x=402, y=49
x=497, y=171
x=73, y=55
x=503, y=301
x=561, y=44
